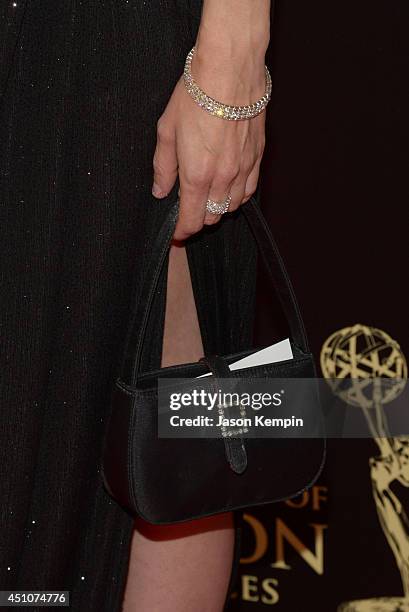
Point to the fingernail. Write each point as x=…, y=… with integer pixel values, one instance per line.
x=156, y=190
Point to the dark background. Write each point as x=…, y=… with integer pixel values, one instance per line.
x=335, y=192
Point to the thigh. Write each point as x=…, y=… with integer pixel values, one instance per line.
x=182, y=567
x=182, y=340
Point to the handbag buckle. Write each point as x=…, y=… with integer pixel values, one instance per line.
x=236, y=416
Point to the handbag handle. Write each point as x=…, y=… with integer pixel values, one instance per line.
x=134, y=342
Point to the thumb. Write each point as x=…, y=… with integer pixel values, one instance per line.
x=165, y=164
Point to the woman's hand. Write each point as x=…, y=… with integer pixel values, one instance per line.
x=213, y=156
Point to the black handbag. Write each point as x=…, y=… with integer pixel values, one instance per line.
x=167, y=480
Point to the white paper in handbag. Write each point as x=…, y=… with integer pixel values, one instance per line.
x=271, y=354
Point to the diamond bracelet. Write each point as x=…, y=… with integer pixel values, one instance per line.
x=224, y=111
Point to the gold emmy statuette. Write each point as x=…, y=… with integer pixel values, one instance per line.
x=376, y=369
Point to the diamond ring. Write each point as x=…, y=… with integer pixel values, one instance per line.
x=218, y=208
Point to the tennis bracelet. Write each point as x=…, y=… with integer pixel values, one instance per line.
x=219, y=109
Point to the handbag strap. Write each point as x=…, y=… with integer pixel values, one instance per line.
x=136, y=333
x=277, y=272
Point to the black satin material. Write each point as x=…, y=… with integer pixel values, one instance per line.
x=173, y=480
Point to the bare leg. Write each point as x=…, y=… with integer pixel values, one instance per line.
x=180, y=568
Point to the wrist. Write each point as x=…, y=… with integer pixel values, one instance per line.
x=235, y=28
x=228, y=74
x=226, y=46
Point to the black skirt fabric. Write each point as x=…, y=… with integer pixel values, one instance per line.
x=83, y=84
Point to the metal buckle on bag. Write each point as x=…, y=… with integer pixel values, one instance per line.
x=226, y=413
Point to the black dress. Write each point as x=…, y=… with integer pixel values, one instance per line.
x=83, y=83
